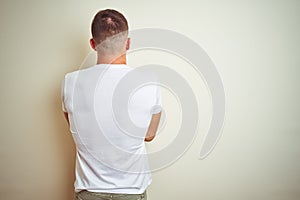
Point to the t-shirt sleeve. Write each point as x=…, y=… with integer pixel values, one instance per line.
x=157, y=107
x=63, y=95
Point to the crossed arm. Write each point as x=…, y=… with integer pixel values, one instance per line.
x=152, y=129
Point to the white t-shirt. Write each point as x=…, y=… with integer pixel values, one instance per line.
x=109, y=109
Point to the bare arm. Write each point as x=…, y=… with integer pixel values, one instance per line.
x=67, y=117
x=153, y=127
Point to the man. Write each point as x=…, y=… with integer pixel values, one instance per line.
x=109, y=129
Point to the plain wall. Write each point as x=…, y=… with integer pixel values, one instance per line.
x=255, y=47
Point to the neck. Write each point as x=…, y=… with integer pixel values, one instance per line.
x=111, y=59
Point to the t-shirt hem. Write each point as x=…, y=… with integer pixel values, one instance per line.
x=116, y=191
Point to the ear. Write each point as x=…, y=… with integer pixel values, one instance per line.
x=127, y=44
x=93, y=44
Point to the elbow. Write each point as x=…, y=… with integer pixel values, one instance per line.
x=149, y=138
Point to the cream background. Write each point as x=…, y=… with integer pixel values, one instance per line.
x=255, y=46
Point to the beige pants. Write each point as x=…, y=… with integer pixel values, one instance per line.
x=86, y=195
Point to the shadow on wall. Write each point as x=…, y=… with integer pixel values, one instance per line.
x=62, y=136
x=65, y=145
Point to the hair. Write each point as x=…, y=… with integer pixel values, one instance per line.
x=110, y=31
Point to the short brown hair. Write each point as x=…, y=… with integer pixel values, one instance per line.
x=108, y=23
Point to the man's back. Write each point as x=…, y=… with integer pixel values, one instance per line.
x=109, y=158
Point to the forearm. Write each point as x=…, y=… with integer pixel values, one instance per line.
x=153, y=127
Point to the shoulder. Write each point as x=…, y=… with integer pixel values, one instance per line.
x=70, y=78
x=72, y=74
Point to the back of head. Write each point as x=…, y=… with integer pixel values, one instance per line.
x=110, y=32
